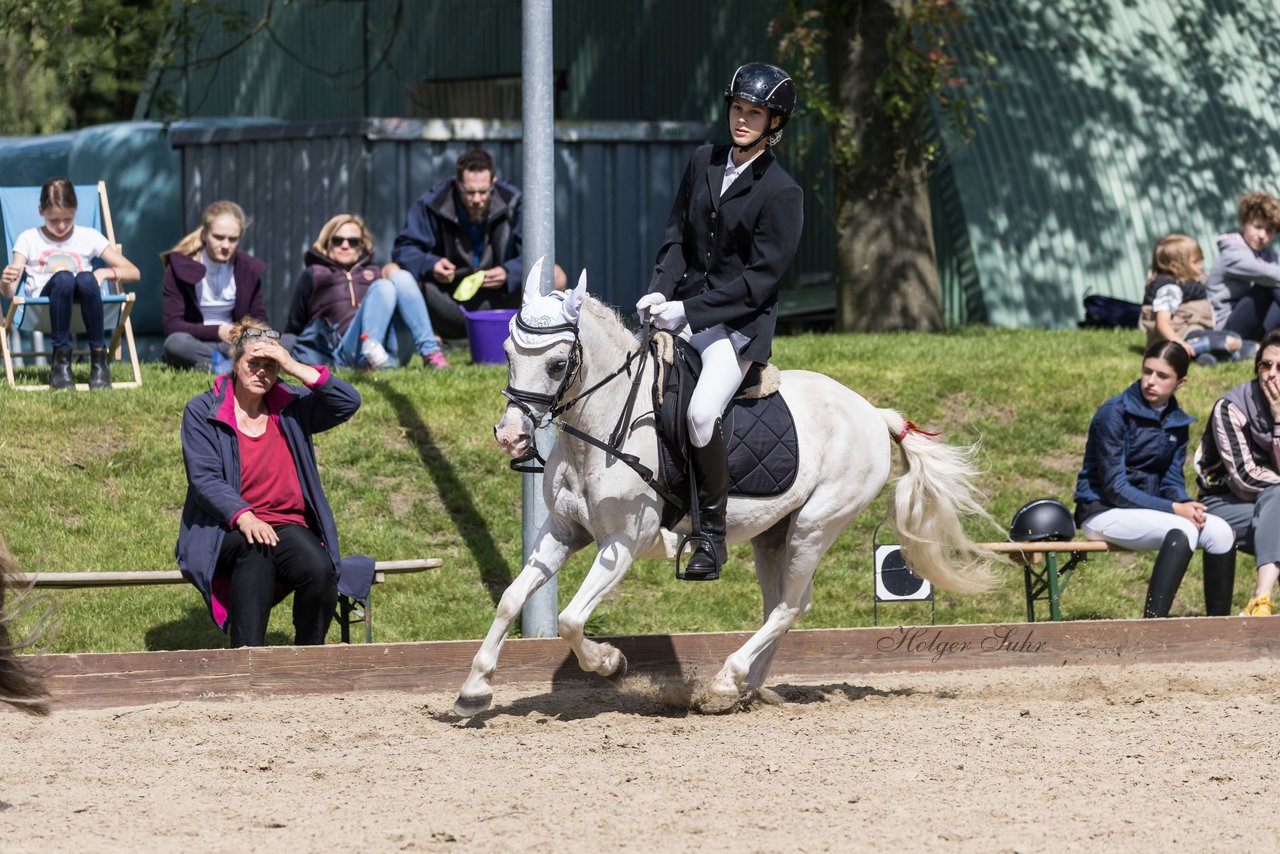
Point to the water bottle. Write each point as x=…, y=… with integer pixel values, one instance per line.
x=375, y=355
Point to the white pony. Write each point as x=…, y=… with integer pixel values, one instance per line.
x=563, y=345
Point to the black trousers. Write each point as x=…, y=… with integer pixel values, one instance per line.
x=299, y=564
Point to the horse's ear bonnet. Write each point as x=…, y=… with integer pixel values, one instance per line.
x=545, y=319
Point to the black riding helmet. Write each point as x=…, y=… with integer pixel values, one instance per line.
x=766, y=85
x=1043, y=520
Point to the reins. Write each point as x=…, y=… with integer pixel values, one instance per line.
x=522, y=400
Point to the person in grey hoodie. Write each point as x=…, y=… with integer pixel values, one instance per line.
x=1243, y=280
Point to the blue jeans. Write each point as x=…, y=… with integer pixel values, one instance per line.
x=397, y=296
x=62, y=290
x=1214, y=341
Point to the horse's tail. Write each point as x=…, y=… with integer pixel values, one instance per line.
x=933, y=494
x=19, y=687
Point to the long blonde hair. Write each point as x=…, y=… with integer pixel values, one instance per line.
x=322, y=242
x=193, y=242
x=1174, y=255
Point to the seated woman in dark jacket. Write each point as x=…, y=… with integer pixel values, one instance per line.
x=1131, y=491
x=344, y=303
x=256, y=521
x=1239, y=466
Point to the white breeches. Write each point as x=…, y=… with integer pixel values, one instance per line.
x=1143, y=530
x=722, y=375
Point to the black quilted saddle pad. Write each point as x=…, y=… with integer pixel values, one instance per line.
x=763, y=450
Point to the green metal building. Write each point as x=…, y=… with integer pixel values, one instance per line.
x=1110, y=122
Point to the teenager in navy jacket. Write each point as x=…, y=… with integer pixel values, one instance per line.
x=1132, y=492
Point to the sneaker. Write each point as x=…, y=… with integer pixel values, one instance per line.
x=434, y=359
x=1206, y=360
x=1247, y=351
x=1259, y=606
x=221, y=363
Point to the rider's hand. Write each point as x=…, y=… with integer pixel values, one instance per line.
x=669, y=315
x=646, y=304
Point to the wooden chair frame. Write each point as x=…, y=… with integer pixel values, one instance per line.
x=123, y=329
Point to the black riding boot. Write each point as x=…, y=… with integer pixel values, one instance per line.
x=99, y=369
x=1219, y=582
x=60, y=373
x=1166, y=574
x=711, y=468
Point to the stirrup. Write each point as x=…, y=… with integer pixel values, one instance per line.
x=682, y=573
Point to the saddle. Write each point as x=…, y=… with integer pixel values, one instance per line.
x=759, y=429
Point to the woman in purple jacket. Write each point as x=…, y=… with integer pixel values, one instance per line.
x=345, y=305
x=208, y=285
x=256, y=524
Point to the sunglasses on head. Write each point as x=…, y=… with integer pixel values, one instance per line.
x=255, y=332
x=353, y=242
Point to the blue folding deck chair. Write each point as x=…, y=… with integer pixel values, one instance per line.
x=28, y=317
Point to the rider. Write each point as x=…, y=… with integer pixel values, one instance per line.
x=733, y=231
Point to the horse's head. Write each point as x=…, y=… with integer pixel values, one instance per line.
x=543, y=355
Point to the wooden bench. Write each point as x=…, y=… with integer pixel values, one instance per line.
x=1047, y=583
x=349, y=612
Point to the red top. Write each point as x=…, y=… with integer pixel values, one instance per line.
x=269, y=478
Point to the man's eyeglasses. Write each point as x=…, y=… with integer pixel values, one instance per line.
x=1266, y=365
x=255, y=332
x=353, y=242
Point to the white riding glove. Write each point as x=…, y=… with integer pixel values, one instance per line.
x=646, y=304
x=669, y=315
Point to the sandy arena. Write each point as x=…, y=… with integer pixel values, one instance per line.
x=1103, y=757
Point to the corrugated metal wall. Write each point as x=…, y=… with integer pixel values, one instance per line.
x=658, y=61
x=644, y=60
x=614, y=187
x=1112, y=123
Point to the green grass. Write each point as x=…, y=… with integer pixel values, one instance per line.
x=95, y=482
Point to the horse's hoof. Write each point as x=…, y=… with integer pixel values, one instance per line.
x=466, y=707
x=715, y=703
x=619, y=669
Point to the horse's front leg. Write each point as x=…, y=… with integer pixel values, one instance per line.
x=552, y=548
x=611, y=564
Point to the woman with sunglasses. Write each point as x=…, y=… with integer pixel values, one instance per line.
x=1239, y=466
x=256, y=524
x=345, y=305
x=208, y=282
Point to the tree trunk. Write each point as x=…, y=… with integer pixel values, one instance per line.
x=886, y=267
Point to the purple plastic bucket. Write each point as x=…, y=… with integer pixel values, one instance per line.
x=487, y=332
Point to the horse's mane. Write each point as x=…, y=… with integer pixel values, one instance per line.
x=608, y=321
x=19, y=687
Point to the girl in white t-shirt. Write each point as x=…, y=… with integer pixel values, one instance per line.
x=57, y=259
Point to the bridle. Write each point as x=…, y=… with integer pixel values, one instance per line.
x=525, y=400
x=553, y=406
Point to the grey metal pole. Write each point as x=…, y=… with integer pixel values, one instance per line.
x=539, y=616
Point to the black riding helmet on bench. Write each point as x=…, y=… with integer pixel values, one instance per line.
x=1046, y=519
x=766, y=85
